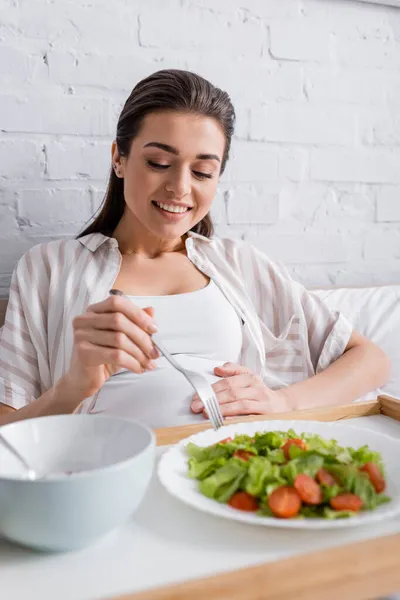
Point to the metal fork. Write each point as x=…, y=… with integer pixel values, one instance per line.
x=198, y=382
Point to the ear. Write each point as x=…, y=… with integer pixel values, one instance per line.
x=117, y=162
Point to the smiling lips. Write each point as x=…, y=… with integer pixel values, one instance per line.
x=172, y=208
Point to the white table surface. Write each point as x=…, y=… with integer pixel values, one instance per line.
x=166, y=542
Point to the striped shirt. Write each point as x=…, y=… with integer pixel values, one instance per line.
x=289, y=334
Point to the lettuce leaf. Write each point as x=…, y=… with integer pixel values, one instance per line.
x=201, y=470
x=272, y=440
x=261, y=474
x=200, y=453
x=222, y=484
x=365, y=454
x=308, y=463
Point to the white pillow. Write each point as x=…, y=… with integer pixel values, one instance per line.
x=375, y=313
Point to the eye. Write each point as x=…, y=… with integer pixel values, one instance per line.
x=201, y=175
x=155, y=165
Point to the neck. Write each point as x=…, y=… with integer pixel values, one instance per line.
x=133, y=238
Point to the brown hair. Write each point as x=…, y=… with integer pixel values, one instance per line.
x=164, y=90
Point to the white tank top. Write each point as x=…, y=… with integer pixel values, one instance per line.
x=202, y=330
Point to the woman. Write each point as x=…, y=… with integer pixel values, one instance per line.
x=223, y=308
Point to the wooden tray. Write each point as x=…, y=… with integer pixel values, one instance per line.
x=358, y=571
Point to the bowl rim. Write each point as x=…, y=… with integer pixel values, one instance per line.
x=120, y=465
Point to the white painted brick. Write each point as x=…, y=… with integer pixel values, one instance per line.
x=303, y=124
x=17, y=68
x=304, y=204
x=357, y=165
x=380, y=128
x=259, y=80
x=252, y=163
x=97, y=196
x=5, y=282
x=382, y=244
x=72, y=159
x=60, y=114
x=218, y=208
x=369, y=53
x=392, y=90
x=202, y=31
x=293, y=40
x=303, y=247
x=346, y=86
x=115, y=72
x=388, y=204
x=8, y=220
x=89, y=27
x=48, y=206
x=263, y=9
x=367, y=273
x=66, y=68
x=293, y=163
x=20, y=159
x=252, y=205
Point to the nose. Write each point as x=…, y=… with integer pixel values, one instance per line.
x=179, y=185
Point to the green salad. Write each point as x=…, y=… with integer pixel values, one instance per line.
x=286, y=475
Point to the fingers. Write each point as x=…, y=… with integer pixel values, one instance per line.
x=120, y=304
x=228, y=369
x=243, y=407
x=116, y=322
x=116, y=340
x=91, y=355
x=230, y=396
x=150, y=311
x=232, y=388
x=244, y=380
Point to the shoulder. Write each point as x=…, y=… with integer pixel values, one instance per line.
x=244, y=256
x=49, y=258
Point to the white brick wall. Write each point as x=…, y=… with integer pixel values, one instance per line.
x=314, y=178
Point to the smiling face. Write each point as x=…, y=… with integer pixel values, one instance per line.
x=171, y=173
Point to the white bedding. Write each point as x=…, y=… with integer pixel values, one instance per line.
x=375, y=313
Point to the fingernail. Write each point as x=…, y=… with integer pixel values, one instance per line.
x=151, y=366
x=152, y=328
x=155, y=352
x=196, y=406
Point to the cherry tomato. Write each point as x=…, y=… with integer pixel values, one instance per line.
x=297, y=442
x=323, y=476
x=346, y=502
x=284, y=502
x=243, y=501
x=375, y=476
x=308, y=489
x=243, y=455
x=225, y=441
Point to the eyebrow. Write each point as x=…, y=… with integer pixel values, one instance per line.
x=172, y=150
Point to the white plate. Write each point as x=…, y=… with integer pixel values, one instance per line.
x=172, y=471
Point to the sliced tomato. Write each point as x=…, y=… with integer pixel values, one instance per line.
x=226, y=440
x=375, y=476
x=326, y=478
x=284, y=502
x=346, y=502
x=243, y=501
x=243, y=455
x=296, y=442
x=308, y=489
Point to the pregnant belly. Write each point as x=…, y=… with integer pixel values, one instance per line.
x=159, y=398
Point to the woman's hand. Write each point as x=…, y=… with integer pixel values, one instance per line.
x=111, y=335
x=241, y=392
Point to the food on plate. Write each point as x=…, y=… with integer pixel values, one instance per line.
x=286, y=475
